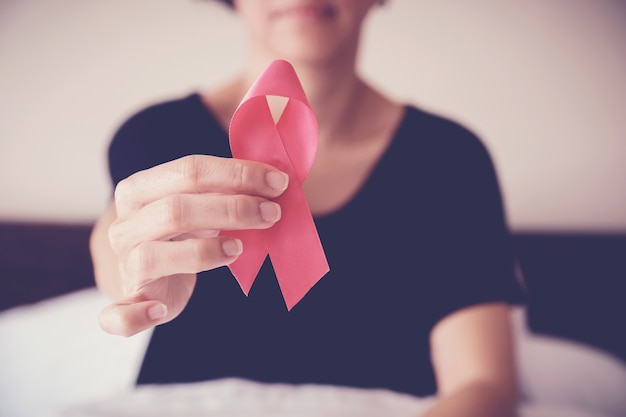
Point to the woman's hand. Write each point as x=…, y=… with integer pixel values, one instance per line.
x=165, y=228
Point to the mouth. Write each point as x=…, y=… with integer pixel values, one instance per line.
x=306, y=12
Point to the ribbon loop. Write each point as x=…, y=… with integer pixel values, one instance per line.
x=290, y=145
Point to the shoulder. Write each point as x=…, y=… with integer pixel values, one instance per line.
x=162, y=132
x=165, y=114
x=454, y=171
x=442, y=146
x=440, y=132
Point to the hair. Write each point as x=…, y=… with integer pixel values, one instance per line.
x=228, y=3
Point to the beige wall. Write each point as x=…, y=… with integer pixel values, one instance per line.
x=542, y=81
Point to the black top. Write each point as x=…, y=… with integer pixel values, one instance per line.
x=425, y=236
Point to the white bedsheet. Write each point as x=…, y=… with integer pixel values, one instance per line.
x=240, y=398
x=53, y=355
x=55, y=361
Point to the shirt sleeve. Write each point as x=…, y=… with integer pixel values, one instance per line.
x=472, y=246
x=129, y=151
x=163, y=132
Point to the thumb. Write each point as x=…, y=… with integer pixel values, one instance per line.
x=131, y=318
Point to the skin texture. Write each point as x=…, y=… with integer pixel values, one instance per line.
x=150, y=244
x=156, y=235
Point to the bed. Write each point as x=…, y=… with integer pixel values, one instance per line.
x=55, y=361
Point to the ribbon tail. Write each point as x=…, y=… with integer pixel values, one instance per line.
x=247, y=266
x=295, y=248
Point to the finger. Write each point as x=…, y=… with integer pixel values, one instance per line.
x=197, y=234
x=199, y=174
x=178, y=214
x=129, y=319
x=151, y=260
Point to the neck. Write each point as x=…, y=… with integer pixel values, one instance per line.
x=332, y=88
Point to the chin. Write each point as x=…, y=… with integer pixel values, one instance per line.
x=318, y=51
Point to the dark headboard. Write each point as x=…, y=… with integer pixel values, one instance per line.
x=38, y=261
x=574, y=281
x=575, y=286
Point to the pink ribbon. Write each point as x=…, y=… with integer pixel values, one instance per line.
x=289, y=145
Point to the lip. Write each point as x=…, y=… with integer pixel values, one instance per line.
x=306, y=11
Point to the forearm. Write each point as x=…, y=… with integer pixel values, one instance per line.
x=105, y=261
x=477, y=400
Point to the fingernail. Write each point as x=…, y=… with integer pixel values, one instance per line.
x=277, y=180
x=157, y=312
x=232, y=247
x=270, y=211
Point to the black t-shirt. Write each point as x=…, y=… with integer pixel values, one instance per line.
x=425, y=236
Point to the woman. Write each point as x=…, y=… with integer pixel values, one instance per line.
x=406, y=204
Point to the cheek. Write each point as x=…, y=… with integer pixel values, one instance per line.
x=360, y=8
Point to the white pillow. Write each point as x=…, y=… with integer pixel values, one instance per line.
x=563, y=372
x=53, y=354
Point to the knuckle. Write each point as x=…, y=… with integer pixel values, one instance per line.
x=172, y=212
x=192, y=168
x=242, y=211
x=116, y=236
x=239, y=174
x=123, y=191
x=120, y=190
x=235, y=209
x=140, y=263
x=201, y=254
x=126, y=286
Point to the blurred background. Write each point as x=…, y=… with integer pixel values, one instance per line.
x=542, y=82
